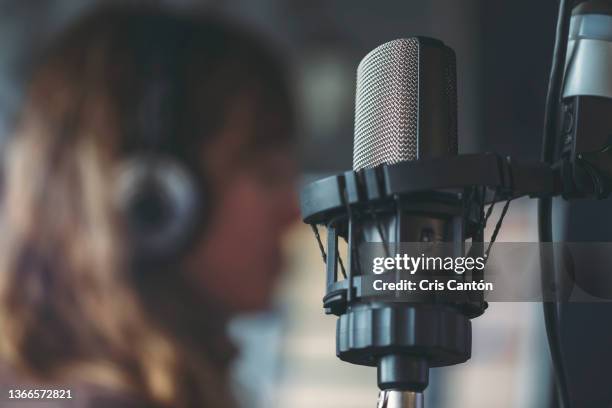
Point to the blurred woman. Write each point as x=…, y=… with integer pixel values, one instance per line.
x=91, y=296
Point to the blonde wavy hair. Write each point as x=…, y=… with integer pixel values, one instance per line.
x=69, y=304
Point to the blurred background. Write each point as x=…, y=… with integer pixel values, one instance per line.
x=503, y=52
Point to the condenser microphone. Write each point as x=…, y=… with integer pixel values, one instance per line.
x=405, y=111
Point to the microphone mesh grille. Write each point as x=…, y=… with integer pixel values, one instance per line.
x=386, y=108
x=451, y=95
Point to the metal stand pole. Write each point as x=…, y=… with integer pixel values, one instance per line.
x=400, y=399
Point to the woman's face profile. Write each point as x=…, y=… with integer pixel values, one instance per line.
x=238, y=261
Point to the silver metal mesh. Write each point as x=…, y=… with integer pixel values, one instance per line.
x=386, y=107
x=451, y=95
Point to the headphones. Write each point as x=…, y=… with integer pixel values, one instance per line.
x=160, y=196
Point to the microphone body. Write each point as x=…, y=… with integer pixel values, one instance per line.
x=406, y=110
x=586, y=119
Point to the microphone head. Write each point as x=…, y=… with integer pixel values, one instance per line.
x=406, y=103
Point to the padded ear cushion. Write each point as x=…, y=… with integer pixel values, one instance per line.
x=162, y=204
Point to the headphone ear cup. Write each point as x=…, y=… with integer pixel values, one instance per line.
x=162, y=206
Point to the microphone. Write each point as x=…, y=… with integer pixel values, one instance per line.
x=406, y=110
x=405, y=113
x=585, y=142
x=586, y=126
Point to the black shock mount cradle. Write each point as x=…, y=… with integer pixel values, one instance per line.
x=403, y=340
